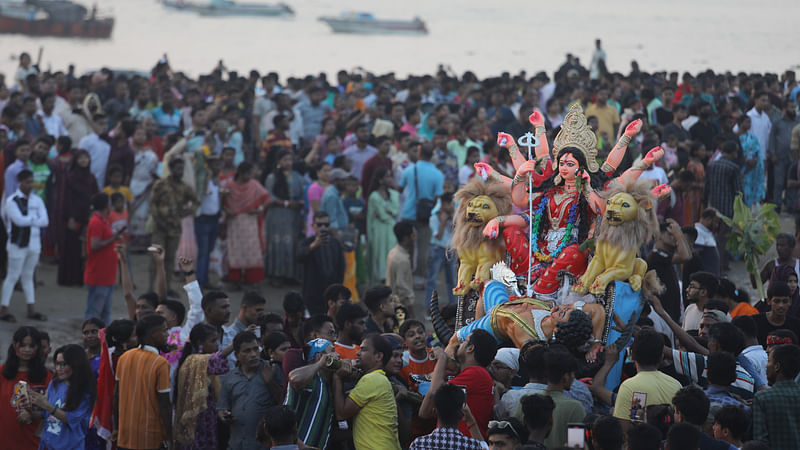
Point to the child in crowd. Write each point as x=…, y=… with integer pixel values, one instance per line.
x=115, y=178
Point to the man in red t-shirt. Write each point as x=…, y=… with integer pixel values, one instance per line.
x=101, y=260
x=473, y=355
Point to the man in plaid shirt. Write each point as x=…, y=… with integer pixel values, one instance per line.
x=449, y=400
x=723, y=183
x=776, y=410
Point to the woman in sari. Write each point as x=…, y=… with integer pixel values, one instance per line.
x=753, y=182
x=382, y=210
x=145, y=173
x=196, y=388
x=81, y=186
x=244, y=203
x=284, y=219
x=696, y=165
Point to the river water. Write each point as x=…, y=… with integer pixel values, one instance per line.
x=487, y=37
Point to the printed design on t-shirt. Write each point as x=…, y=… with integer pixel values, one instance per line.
x=638, y=404
x=53, y=424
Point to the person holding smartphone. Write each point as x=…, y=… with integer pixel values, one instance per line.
x=101, y=260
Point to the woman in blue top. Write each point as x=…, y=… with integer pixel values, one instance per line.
x=69, y=401
x=753, y=176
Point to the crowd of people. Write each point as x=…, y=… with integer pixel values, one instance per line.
x=344, y=189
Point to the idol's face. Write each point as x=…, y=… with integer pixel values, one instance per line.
x=568, y=167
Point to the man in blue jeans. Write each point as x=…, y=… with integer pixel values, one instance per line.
x=206, y=223
x=441, y=255
x=101, y=260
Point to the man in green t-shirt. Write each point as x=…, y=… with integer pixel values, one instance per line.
x=372, y=400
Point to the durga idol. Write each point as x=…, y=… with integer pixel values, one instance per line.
x=560, y=189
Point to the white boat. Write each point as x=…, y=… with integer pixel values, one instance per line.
x=365, y=23
x=230, y=8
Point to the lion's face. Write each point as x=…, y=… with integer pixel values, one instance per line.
x=621, y=208
x=480, y=210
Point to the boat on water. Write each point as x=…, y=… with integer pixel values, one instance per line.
x=366, y=23
x=230, y=8
x=60, y=18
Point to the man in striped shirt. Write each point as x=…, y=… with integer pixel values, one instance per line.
x=142, y=409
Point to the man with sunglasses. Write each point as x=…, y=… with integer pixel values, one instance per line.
x=508, y=434
x=323, y=263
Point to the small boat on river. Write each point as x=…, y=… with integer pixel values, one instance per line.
x=229, y=8
x=60, y=18
x=366, y=23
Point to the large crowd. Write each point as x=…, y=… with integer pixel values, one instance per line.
x=342, y=190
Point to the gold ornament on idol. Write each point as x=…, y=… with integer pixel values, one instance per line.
x=575, y=132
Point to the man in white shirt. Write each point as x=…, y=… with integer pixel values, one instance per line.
x=24, y=214
x=752, y=350
x=98, y=149
x=53, y=124
x=760, y=124
x=706, y=244
x=74, y=118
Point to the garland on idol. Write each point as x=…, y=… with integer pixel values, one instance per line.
x=541, y=255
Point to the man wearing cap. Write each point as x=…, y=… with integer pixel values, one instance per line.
x=310, y=395
x=504, y=367
x=331, y=201
x=710, y=317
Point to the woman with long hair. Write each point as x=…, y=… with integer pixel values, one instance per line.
x=382, y=210
x=321, y=177
x=68, y=405
x=196, y=388
x=284, y=221
x=244, y=203
x=753, y=182
x=81, y=185
x=24, y=362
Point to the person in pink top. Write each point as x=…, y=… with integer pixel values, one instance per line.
x=314, y=193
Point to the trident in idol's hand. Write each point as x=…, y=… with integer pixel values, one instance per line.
x=529, y=141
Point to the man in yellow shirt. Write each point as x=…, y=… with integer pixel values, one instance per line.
x=607, y=116
x=649, y=386
x=372, y=400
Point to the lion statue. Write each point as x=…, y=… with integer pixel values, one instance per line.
x=629, y=222
x=478, y=202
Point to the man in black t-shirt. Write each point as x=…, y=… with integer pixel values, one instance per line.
x=671, y=247
x=779, y=299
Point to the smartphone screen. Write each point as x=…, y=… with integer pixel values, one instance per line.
x=575, y=437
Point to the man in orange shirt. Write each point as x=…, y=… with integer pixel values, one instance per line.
x=415, y=359
x=351, y=321
x=417, y=362
x=142, y=409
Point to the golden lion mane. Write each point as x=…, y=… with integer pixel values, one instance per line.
x=466, y=235
x=633, y=233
